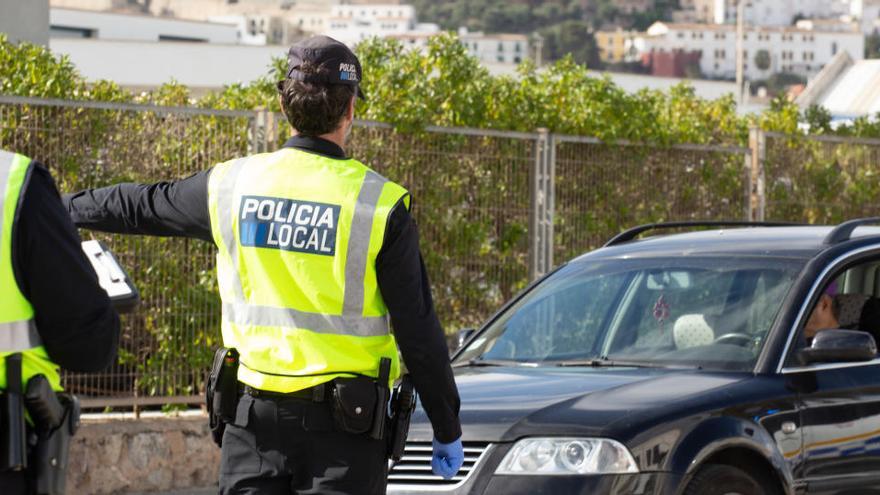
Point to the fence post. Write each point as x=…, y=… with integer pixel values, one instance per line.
x=541, y=204
x=262, y=133
x=757, y=196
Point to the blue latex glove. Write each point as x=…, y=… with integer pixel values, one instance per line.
x=447, y=458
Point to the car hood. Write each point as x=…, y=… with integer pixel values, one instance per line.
x=505, y=403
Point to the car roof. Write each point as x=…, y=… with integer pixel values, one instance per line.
x=788, y=242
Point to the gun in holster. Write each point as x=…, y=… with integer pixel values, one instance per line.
x=221, y=392
x=403, y=403
x=55, y=419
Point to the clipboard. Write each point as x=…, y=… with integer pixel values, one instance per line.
x=111, y=276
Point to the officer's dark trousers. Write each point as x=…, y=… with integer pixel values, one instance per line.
x=13, y=483
x=289, y=446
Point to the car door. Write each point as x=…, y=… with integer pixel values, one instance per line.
x=839, y=420
x=840, y=423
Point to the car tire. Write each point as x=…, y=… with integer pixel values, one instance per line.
x=719, y=479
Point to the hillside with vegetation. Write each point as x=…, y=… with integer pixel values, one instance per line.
x=565, y=25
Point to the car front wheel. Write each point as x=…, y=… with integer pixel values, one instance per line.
x=717, y=479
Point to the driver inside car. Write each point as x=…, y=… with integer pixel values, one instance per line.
x=847, y=311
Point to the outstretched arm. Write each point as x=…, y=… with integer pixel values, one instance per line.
x=177, y=208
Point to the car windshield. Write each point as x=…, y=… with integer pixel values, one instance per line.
x=712, y=313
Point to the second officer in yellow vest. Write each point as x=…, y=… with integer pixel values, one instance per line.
x=52, y=312
x=318, y=258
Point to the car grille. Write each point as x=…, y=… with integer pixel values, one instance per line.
x=414, y=468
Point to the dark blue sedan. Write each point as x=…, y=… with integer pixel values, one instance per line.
x=713, y=362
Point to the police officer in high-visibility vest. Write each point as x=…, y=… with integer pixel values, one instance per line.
x=52, y=310
x=316, y=253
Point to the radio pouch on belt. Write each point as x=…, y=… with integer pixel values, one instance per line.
x=353, y=404
x=221, y=392
x=13, y=438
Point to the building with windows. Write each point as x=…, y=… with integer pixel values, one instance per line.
x=613, y=45
x=763, y=12
x=867, y=14
x=497, y=48
x=260, y=29
x=498, y=52
x=795, y=49
x=354, y=23
x=74, y=23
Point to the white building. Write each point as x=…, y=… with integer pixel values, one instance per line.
x=352, y=24
x=496, y=48
x=260, y=29
x=72, y=23
x=143, y=65
x=792, y=49
x=867, y=13
x=765, y=12
x=499, y=52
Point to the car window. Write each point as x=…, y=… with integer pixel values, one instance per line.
x=565, y=321
x=848, y=301
x=706, y=312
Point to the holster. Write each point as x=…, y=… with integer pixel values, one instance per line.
x=13, y=436
x=56, y=420
x=221, y=392
x=403, y=403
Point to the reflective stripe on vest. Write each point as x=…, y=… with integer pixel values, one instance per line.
x=15, y=334
x=351, y=322
x=19, y=336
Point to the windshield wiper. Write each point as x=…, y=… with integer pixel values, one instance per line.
x=493, y=362
x=614, y=363
x=606, y=363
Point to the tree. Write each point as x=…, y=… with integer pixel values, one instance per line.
x=574, y=38
x=762, y=59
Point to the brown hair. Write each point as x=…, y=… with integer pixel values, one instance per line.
x=314, y=109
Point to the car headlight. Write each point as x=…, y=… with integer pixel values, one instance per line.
x=567, y=456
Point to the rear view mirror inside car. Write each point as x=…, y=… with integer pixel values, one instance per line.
x=669, y=280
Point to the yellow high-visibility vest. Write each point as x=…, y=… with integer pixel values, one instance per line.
x=18, y=332
x=298, y=236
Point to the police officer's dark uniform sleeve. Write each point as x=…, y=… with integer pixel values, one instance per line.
x=78, y=326
x=406, y=290
x=177, y=208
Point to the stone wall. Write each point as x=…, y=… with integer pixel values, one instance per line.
x=143, y=455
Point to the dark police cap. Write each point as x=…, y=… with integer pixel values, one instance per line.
x=336, y=63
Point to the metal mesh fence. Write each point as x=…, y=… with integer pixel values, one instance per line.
x=471, y=203
x=165, y=344
x=821, y=179
x=602, y=189
x=475, y=196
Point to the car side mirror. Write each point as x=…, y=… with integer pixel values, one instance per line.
x=463, y=336
x=839, y=345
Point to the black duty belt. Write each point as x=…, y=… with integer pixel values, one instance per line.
x=318, y=393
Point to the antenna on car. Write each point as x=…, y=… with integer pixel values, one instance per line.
x=630, y=234
x=843, y=232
